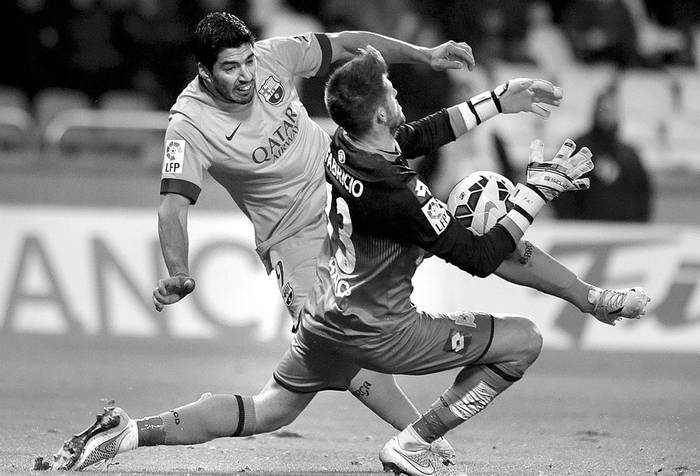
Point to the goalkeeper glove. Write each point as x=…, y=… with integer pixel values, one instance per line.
x=546, y=179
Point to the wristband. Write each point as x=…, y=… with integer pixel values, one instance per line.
x=521, y=221
x=527, y=202
x=481, y=107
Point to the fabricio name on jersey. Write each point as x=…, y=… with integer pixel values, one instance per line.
x=349, y=183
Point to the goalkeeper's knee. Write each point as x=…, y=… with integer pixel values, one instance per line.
x=524, y=340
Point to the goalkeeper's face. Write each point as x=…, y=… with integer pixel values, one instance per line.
x=395, y=116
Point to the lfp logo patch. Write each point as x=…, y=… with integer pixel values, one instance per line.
x=437, y=215
x=272, y=91
x=174, y=157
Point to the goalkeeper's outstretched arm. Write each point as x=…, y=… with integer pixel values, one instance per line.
x=530, y=266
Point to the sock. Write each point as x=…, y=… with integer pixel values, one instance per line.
x=212, y=416
x=410, y=440
x=473, y=389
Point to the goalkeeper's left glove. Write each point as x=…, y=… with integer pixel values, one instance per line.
x=562, y=173
x=546, y=179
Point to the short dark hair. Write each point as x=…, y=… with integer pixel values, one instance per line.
x=355, y=91
x=218, y=31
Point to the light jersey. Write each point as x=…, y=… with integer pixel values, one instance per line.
x=381, y=219
x=267, y=154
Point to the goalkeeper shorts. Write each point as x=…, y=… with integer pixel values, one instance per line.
x=431, y=343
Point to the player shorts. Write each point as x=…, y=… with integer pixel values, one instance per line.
x=294, y=263
x=431, y=343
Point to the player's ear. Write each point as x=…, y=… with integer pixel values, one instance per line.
x=204, y=72
x=380, y=115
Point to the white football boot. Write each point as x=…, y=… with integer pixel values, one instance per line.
x=443, y=450
x=419, y=461
x=98, y=443
x=610, y=305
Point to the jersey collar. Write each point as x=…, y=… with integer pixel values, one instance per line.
x=393, y=156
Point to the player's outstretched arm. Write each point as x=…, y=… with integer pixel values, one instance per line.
x=517, y=95
x=514, y=96
x=174, y=243
x=532, y=267
x=449, y=55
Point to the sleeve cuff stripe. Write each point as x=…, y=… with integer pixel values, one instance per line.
x=523, y=212
x=538, y=192
x=496, y=101
x=467, y=116
x=181, y=187
x=473, y=110
x=519, y=219
x=326, y=54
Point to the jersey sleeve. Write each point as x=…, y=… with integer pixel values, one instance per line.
x=425, y=221
x=185, y=158
x=425, y=135
x=304, y=55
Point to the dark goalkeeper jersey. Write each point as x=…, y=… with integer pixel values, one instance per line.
x=382, y=220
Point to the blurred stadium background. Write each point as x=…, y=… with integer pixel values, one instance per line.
x=84, y=95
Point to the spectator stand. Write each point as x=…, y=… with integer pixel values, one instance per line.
x=124, y=125
x=16, y=121
x=683, y=139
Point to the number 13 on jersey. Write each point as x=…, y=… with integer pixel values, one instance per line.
x=342, y=261
x=340, y=231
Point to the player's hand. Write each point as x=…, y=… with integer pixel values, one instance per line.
x=529, y=95
x=562, y=173
x=451, y=55
x=171, y=290
x=611, y=305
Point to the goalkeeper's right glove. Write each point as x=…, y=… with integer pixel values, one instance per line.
x=546, y=179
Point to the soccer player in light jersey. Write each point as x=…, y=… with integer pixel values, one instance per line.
x=241, y=119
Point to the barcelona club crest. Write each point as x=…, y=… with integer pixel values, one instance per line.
x=272, y=91
x=288, y=294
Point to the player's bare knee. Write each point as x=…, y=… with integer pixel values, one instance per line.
x=273, y=420
x=276, y=407
x=283, y=419
x=525, y=339
x=532, y=341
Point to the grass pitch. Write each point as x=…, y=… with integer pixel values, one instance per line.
x=574, y=413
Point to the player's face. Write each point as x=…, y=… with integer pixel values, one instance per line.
x=233, y=75
x=394, y=111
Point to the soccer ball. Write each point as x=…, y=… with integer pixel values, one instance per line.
x=479, y=200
